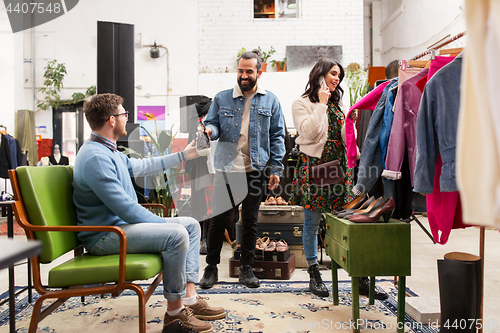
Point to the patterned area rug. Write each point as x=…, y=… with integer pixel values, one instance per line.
x=274, y=307
x=18, y=230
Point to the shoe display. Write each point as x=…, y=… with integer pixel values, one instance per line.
x=203, y=311
x=247, y=277
x=356, y=202
x=270, y=201
x=271, y=247
x=281, y=246
x=280, y=201
x=364, y=289
x=187, y=318
x=316, y=285
x=176, y=326
x=345, y=212
x=262, y=243
x=373, y=215
x=209, y=277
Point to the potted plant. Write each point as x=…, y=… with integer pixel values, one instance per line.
x=265, y=56
x=357, y=82
x=281, y=64
x=53, y=83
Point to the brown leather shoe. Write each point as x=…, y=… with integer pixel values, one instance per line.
x=280, y=201
x=271, y=246
x=281, y=246
x=270, y=201
x=203, y=311
x=262, y=243
x=189, y=320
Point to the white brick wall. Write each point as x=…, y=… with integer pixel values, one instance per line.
x=225, y=26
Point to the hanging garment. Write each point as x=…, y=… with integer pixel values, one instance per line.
x=405, y=74
x=437, y=128
x=369, y=102
x=388, y=117
x=5, y=157
x=478, y=147
x=403, y=136
x=436, y=64
x=436, y=139
x=370, y=165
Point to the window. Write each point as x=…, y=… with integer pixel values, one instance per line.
x=275, y=9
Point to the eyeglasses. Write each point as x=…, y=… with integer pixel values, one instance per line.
x=119, y=114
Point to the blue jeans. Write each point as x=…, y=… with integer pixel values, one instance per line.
x=178, y=240
x=310, y=235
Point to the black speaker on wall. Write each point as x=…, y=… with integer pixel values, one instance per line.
x=115, y=62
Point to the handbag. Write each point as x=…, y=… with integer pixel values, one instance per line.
x=328, y=173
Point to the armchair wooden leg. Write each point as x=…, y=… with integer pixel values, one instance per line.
x=227, y=237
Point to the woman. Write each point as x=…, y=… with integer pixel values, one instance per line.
x=319, y=121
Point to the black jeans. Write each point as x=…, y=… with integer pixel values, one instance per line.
x=249, y=213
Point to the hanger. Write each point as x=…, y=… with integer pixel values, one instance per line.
x=452, y=51
x=417, y=63
x=4, y=131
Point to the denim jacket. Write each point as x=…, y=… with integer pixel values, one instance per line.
x=266, y=133
x=437, y=126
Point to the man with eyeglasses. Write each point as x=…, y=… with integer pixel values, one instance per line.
x=104, y=196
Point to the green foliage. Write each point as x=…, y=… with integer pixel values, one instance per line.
x=162, y=186
x=53, y=83
x=357, y=82
x=54, y=75
x=266, y=55
x=243, y=50
x=280, y=63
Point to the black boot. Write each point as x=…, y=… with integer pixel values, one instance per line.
x=316, y=285
x=460, y=284
x=209, y=277
x=364, y=289
x=247, y=277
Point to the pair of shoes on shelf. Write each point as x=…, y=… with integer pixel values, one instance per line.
x=278, y=200
x=277, y=245
x=364, y=203
x=380, y=208
x=262, y=243
x=364, y=289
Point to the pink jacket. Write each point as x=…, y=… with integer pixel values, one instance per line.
x=369, y=102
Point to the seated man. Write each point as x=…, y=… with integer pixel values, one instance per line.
x=104, y=195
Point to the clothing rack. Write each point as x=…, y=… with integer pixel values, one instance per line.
x=433, y=48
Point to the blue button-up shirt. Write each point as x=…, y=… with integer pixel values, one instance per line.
x=266, y=132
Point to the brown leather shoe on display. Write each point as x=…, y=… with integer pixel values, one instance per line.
x=372, y=216
x=270, y=201
x=203, y=311
x=271, y=246
x=280, y=201
x=188, y=319
x=262, y=243
x=281, y=246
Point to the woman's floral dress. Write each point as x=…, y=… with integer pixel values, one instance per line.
x=324, y=198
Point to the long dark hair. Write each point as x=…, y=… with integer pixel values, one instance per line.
x=321, y=68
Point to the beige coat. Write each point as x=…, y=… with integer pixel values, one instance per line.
x=478, y=147
x=311, y=122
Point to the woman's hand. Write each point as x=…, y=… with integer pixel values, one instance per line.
x=324, y=94
x=354, y=115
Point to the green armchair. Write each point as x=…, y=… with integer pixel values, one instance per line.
x=44, y=208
